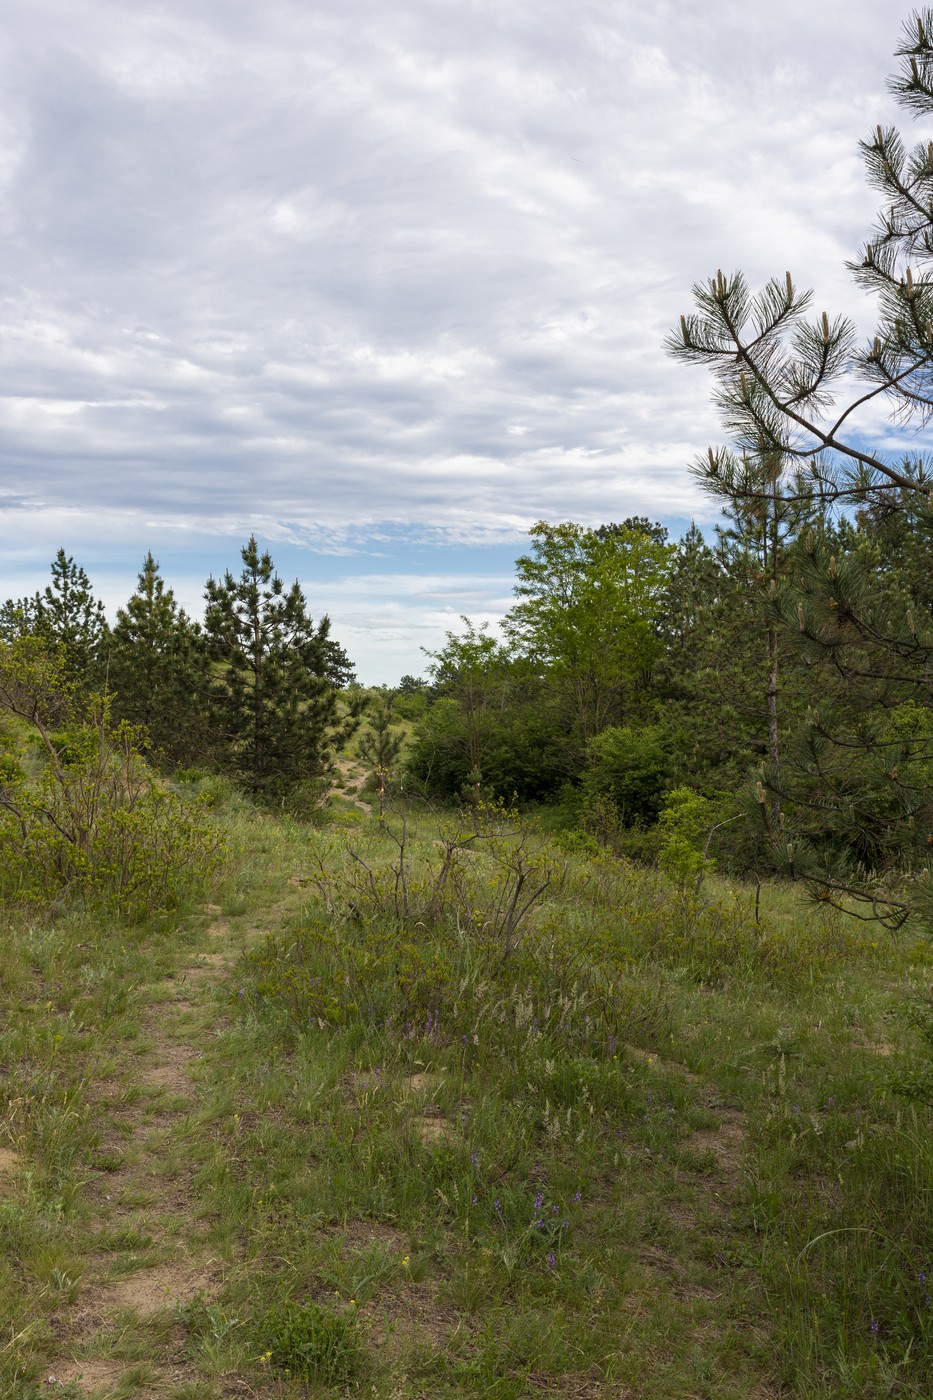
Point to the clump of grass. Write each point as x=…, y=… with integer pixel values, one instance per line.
x=311, y=1342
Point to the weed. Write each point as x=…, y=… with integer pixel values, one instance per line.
x=310, y=1342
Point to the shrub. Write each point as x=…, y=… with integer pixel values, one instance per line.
x=629, y=767
x=311, y=1343
x=89, y=820
x=684, y=824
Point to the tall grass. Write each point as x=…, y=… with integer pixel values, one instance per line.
x=602, y=1136
x=548, y=1068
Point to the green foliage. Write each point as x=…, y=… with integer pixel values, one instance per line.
x=17, y=618
x=684, y=825
x=630, y=767
x=492, y=729
x=577, y=843
x=524, y=749
x=469, y=671
x=589, y=604
x=380, y=747
x=88, y=821
x=854, y=622
x=491, y=870
x=658, y=1109
x=67, y=615
x=311, y=1342
x=410, y=697
x=159, y=671
x=273, y=698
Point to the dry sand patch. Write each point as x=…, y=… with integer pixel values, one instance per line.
x=172, y=1072
x=96, y=1376
x=433, y=1126
x=10, y=1161
x=164, y=1286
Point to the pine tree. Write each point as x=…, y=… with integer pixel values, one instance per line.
x=17, y=618
x=766, y=516
x=702, y=678
x=380, y=744
x=67, y=614
x=160, y=671
x=778, y=372
x=859, y=821
x=274, y=702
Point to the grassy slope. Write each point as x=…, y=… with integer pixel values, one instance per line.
x=655, y=1155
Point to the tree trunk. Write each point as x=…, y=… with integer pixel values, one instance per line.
x=773, y=751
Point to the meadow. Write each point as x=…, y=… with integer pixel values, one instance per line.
x=456, y=1108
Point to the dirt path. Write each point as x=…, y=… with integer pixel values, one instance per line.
x=150, y=1251
x=351, y=772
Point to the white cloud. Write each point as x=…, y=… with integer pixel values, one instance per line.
x=324, y=271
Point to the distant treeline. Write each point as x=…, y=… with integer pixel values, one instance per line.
x=739, y=681
x=253, y=691
x=771, y=685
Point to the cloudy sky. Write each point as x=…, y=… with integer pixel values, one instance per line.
x=386, y=284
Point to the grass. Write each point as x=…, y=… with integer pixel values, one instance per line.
x=634, y=1144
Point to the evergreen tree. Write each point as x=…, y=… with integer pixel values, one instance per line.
x=338, y=667
x=766, y=516
x=655, y=531
x=17, y=618
x=706, y=663
x=411, y=685
x=777, y=376
x=380, y=744
x=160, y=671
x=274, y=701
x=67, y=614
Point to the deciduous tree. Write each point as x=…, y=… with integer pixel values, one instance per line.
x=588, y=613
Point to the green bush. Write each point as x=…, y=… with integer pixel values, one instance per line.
x=683, y=825
x=84, y=818
x=631, y=769
x=311, y=1343
x=137, y=855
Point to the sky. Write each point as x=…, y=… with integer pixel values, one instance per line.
x=385, y=285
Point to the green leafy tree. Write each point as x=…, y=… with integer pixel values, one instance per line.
x=411, y=697
x=492, y=727
x=274, y=701
x=685, y=827
x=779, y=372
x=469, y=671
x=160, y=671
x=629, y=767
x=588, y=613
